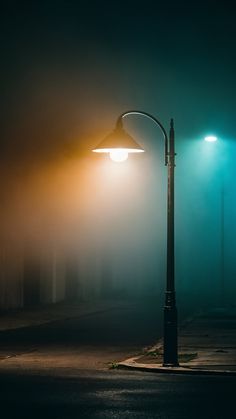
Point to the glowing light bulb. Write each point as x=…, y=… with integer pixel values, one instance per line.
x=119, y=155
x=211, y=138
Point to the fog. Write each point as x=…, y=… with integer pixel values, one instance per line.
x=104, y=223
x=84, y=226
x=91, y=213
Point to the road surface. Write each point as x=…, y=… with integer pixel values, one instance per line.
x=116, y=394
x=61, y=370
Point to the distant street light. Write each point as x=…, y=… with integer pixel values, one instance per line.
x=210, y=138
x=119, y=144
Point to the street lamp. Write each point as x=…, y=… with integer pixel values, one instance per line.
x=119, y=144
x=210, y=138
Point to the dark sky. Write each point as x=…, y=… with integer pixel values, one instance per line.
x=68, y=68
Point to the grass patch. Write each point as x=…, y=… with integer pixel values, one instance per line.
x=113, y=365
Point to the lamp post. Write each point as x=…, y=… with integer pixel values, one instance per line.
x=119, y=144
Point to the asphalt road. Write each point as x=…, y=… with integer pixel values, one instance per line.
x=89, y=342
x=115, y=394
x=60, y=370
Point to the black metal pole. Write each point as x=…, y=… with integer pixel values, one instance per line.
x=170, y=356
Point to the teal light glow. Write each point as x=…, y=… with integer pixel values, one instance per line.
x=210, y=138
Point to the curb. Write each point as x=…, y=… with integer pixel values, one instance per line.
x=156, y=368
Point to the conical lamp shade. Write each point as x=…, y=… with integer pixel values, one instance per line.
x=118, y=139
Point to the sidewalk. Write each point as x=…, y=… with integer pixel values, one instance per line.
x=207, y=345
x=16, y=319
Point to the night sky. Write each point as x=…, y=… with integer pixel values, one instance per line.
x=69, y=68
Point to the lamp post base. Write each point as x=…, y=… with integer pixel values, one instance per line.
x=170, y=355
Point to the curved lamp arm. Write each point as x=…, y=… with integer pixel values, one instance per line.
x=134, y=112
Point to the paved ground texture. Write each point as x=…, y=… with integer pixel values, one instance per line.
x=80, y=337
x=56, y=364
x=207, y=343
x=116, y=394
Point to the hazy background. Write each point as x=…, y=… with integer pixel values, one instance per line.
x=68, y=70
